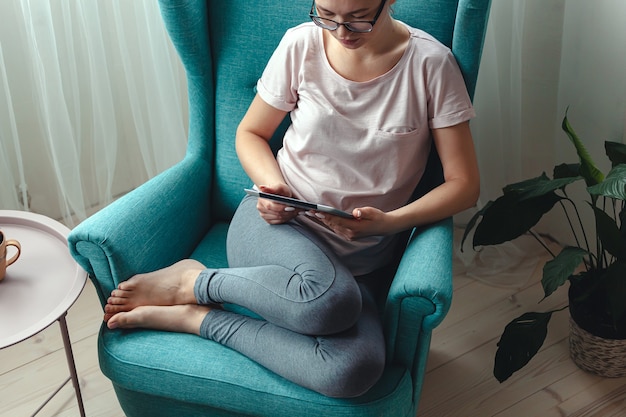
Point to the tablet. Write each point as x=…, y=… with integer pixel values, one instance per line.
x=293, y=202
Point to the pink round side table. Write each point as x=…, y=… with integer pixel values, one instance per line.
x=41, y=286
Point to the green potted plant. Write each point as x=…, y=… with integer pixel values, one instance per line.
x=595, y=266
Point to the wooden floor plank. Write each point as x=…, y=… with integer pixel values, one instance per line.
x=573, y=395
x=607, y=398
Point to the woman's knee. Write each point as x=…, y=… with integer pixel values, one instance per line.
x=336, y=310
x=353, y=376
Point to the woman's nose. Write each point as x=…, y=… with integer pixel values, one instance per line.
x=342, y=31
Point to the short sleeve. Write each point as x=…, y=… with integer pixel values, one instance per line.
x=449, y=103
x=278, y=85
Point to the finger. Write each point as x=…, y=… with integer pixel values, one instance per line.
x=274, y=217
x=270, y=206
x=280, y=190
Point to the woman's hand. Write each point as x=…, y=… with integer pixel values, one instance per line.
x=368, y=221
x=273, y=212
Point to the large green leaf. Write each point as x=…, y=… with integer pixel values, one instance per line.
x=538, y=186
x=588, y=169
x=566, y=171
x=472, y=222
x=609, y=234
x=519, y=342
x=614, y=185
x=616, y=152
x=558, y=270
x=509, y=217
x=526, y=185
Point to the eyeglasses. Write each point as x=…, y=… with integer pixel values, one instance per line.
x=361, y=26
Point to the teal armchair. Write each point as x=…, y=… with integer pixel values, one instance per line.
x=185, y=211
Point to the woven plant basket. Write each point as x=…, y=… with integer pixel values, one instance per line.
x=604, y=357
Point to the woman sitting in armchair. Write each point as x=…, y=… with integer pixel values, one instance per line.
x=366, y=93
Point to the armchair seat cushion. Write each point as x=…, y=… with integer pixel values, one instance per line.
x=187, y=369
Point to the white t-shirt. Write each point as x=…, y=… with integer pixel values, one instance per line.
x=355, y=144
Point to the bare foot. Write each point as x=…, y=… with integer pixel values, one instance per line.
x=178, y=318
x=166, y=287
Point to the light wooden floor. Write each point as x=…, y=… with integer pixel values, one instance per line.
x=458, y=383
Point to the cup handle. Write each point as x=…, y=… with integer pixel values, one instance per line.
x=12, y=242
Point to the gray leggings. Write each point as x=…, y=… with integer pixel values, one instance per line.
x=320, y=328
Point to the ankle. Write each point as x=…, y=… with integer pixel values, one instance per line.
x=189, y=278
x=196, y=317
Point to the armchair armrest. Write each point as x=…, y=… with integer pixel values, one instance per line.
x=151, y=227
x=420, y=294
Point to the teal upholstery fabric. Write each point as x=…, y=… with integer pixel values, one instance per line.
x=184, y=212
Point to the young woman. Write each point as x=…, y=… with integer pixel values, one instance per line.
x=365, y=92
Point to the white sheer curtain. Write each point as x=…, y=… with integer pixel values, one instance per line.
x=541, y=57
x=92, y=103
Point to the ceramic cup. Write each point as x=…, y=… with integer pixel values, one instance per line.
x=3, y=253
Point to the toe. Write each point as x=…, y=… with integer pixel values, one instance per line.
x=115, y=300
x=118, y=293
x=113, y=309
x=117, y=321
x=124, y=286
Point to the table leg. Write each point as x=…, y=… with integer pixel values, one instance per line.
x=70, y=362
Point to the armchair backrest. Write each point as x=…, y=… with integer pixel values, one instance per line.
x=225, y=45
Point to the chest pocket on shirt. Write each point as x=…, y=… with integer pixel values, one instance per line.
x=400, y=155
x=401, y=139
x=398, y=132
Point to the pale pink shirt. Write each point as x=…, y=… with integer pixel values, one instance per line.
x=355, y=144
